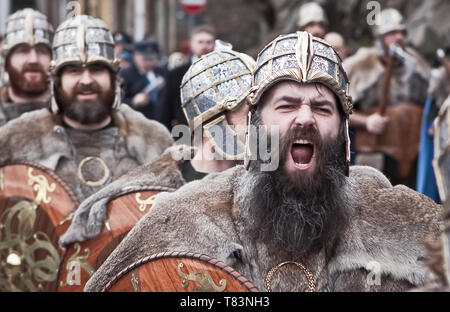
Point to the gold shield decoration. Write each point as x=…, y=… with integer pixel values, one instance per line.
x=33, y=200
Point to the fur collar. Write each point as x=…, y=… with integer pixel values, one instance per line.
x=38, y=136
x=388, y=226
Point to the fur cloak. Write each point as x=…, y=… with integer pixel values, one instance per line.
x=381, y=249
x=40, y=137
x=10, y=110
x=90, y=216
x=365, y=71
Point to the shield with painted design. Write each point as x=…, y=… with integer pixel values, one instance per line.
x=36, y=208
x=34, y=202
x=123, y=212
x=179, y=272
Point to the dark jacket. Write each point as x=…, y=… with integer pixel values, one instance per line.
x=135, y=82
x=171, y=111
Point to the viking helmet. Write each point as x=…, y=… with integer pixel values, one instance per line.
x=389, y=20
x=306, y=59
x=27, y=26
x=310, y=12
x=83, y=40
x=216, y=83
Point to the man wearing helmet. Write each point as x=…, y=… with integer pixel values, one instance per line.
x=87, y=137
x=27, y=54
x=312, y=19
x=310, y=224
x=406, y=79
x=213, y=100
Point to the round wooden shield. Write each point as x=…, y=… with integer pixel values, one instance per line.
x=179, y=272
x=34, y=204
x=123, y=212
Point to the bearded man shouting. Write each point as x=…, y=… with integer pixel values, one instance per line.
x=312, y=223
x=27, y=53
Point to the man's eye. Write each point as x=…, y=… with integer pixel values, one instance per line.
x=23, y=50
x=43, y=51
x=286, y=106
x=95, y=69
x=323, y=110
x=73, y=70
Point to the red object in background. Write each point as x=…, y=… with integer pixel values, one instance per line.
x=185, y=47
x=193, y=6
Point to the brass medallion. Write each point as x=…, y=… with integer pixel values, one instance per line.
x=308, y=274
x=105, y=170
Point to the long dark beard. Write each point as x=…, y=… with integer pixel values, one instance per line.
x=22, y=86
x=300, y=213
x=86, y=112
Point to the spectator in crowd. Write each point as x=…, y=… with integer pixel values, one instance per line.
x=202, y=42
x=176, y=59
x=126, y=59
x=312, y=19
x=142, y=81
x=337, y=42
x=123, y=49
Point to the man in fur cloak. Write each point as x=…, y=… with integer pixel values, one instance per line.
x=87, y=136
x=214, y=142
x=408, y=84
x=347, y=231
x=27, y=54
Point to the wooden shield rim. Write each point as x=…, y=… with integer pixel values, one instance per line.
x=50, y=173
x=183, y=254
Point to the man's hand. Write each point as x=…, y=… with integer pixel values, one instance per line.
x=140, y=99
x=376, y=123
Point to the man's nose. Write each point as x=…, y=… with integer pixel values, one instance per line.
x=304, y=116
x=86, y=77
x=32, y=56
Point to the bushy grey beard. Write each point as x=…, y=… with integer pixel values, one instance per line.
x=299, y=213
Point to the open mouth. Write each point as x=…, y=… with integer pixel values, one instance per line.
x=302, y=153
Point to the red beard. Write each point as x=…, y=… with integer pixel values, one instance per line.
x=86, y=112
x=22, y=85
